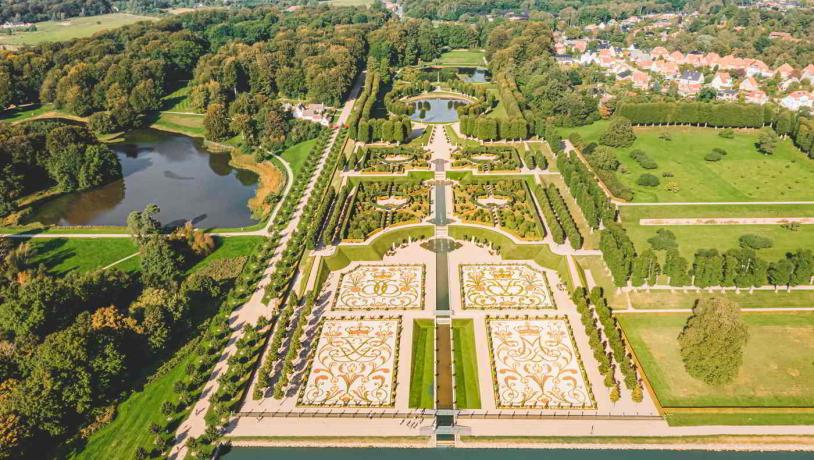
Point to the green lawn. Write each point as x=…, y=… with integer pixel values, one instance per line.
x=422, y=365
x=743, y=174
x=462, y=58
x=63, y=255
x=775, y=417
x=297, y=154
x=467, y=390
x=54, y=31
x=131, y=427
x=777, y=365
x=691, y=238
x=233, y=246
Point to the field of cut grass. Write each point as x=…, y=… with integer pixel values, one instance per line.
x=422, y=365
x=467, y=389
x=25, y=112
x=777, y=368
x=461, y=58
x=55, y=31
x=743, y=174
x=64, y=255
x=297, y=154
x=177, y=101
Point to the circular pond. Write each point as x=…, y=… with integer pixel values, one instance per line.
x=173, y=171
x=436, y=110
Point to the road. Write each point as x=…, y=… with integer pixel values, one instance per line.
x=251, y=311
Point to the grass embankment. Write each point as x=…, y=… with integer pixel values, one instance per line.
x=743, y=174
x=55, y=31
x=757, y=299
x=422, y=368
x=467, y=388
x=233, y=246
x=735, y=440
x=777, y=369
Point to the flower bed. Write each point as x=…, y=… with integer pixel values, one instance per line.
x=504, y=286
x=381, y=287
x=535, y=364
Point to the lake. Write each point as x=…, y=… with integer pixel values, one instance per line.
x=436, y=109
x=173, y=171
x=258, y=453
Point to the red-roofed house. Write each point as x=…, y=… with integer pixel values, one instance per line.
x=668, y=69
x=756, y=97
x=749, y=84
x=808, y=73
x=712, y=59
x=640, y=80
x=722, y=80
x=798, y=100
x=784, y=71
x=758, y=67
x=659, y=52
x=677, y=57
x=696, y=60
x=580, y=45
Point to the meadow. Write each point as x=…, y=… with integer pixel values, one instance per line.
x=55, y=31
x=776, y=368
x=743, y=174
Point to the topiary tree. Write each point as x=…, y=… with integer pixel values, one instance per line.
x=754, y=242
x=619, y=133
x=767, y=142
x=712, y=341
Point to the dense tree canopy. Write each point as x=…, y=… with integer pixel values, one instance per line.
x=712, y=341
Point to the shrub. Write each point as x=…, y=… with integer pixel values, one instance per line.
x=713, y=156
x=727, y=133
x=754, y=242
x=604, y=158
x=644, y=161
x=719, y=150
x=648, y=180
x=767, y=142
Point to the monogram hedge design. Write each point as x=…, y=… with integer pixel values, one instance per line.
x=504, y=286
x=536, y=365
x=354, y=364
x=381, y=287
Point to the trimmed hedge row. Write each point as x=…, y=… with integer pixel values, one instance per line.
x=564, y=216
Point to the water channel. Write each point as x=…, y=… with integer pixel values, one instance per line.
x=261, y=453
x=173, y=171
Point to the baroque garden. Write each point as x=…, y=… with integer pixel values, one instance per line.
x=430, y=256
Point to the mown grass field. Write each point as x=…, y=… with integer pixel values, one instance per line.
x=422, y=365
x=190, y=125
x=130, y=429
x=744, y=174
x=467, y=388
x=25, y=112
x=233, y=246
x=777, y=367
x=64, y=255
x=757, y=299
x=461, y=58
x=297, y=154
x=691, y=238
x=55, y=31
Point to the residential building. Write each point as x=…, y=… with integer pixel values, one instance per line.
x=749, y=84
x=798, y=100
x=640, y=80
x=690, y=83
x=727, y=95
x=784, y=71
x=756, y=97
x=808, y=73
x=721, y=81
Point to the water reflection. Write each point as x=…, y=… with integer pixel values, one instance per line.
x=437, y=110
x=173, y=171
